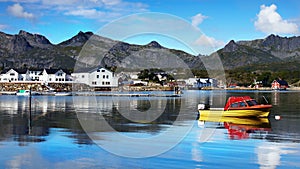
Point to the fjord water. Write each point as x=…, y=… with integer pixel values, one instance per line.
x=68, y=132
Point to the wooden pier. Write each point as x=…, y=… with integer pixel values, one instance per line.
x=127, y=95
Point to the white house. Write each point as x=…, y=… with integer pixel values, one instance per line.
x=9, y=76
x=201, y=82
x=35, y=74
x=96, y=77
x=54, y=76
x=41, y=75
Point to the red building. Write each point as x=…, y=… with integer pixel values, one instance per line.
x=279, y=85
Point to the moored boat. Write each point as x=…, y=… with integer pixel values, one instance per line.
x=63, y=94
x=23, y=93
x=243, y=106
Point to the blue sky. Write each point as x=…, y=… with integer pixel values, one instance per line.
x=219, y=20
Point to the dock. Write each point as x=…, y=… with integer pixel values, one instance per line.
x=127, y=95
x=102, y=94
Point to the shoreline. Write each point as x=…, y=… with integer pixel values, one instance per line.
x=12, y=88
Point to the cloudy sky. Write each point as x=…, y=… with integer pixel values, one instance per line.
x=219, y=20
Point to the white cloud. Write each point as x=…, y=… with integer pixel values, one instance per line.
x=93, y=14
x=87, y=13
x=18, y=11
x=100, y=10
x=111, y=2
x=59, y=2
x=198, y=19
x=20, y=1
x=2, y=27
x=269, y=21
x=206, y=41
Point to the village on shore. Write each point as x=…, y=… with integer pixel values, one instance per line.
x=100, y=78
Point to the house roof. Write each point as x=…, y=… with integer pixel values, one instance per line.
x=282, y=82
x=5, y=70
x=89, y=69
x=20, y=71
x=24, y=71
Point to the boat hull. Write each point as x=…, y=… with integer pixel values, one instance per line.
x=63, y=94
x=22, y=94
x=236, y=120
x=236, y=113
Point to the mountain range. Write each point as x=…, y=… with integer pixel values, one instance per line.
x=27, y=50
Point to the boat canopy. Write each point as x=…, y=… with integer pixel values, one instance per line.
x=234, y=99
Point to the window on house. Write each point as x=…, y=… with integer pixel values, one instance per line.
x=98, y=70
x=12, y=74
x=82, y=76
x=97, y=76
x=102, y=70
x=50, y=79
x=107, y=83
x=103, y=83
x=103, y=76
x=107, y=76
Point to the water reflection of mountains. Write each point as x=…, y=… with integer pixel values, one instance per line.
x=52, y=112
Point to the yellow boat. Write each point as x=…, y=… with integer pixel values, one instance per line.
x=237, y=107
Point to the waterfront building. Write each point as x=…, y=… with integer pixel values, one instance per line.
x=95, y=77
x=201, y=82
x=9, y=76
x=37, y=75
x=279, y=84
x=55, y=76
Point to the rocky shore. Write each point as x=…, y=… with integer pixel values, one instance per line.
x=10, y=87
x=35, y=86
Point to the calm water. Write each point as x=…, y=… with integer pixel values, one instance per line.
x=155, y=132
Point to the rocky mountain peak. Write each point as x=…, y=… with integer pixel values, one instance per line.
x=24, y=33
x=35, y=40
x=231, y=46
x=77, y=40
x=277, y=43
x=154, y=44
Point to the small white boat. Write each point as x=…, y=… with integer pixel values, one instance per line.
x=23, y=93
x=63, y=94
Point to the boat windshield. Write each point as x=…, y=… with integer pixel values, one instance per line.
x=238, y=104
x=243, y=104
x=252, y=102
